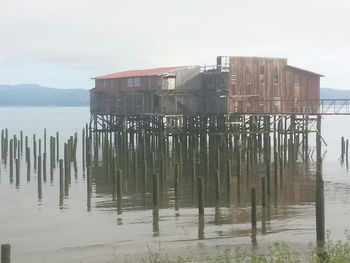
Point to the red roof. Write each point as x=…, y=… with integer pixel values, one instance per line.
x=140, y=73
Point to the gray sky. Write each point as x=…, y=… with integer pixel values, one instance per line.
x=63, y=43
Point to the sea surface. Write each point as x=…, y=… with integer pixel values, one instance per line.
x=91, y=228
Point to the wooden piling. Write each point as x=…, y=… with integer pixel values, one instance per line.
x=200, y=186
x=320, y=212
x=61, y=183
x=177, y=186
x=5, y=253
x=228, y=182
x=275, y=172
x=217, y=186
x=119, y=184
x=44, y=140
x=17, y=173
x=44, y=167
x=57, y=145
x=28, y=164
x=238, y=174
x=83, y=141
x=40, y=193
x=21, y=141
x=155, y=189
x=253, y=208
x=347, y=149
x=34, y=152
x=144, y=178
x=193, y=171
x=263, y=192
x=11, y=161
x=39, y=166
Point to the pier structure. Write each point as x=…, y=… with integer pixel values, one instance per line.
x=237, y=94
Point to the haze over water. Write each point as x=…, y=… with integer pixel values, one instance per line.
x=44, y=231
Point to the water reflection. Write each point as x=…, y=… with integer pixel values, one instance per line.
x=120, y=181
x=201, y=227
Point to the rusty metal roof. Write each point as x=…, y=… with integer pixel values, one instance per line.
x=141, y=73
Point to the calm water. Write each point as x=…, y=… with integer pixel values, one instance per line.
x=44, y=231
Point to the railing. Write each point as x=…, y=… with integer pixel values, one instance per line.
x=323, y=106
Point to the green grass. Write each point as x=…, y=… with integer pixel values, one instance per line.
x=333, y=252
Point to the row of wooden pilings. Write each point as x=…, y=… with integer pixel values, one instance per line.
x=209, y=159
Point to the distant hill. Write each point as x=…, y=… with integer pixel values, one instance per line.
x=327, y=93
x=36, y=95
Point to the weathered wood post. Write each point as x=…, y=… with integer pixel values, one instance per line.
x=21, y=141
x=155, y=191
x=200, y=186
x=201, y=227
x=217, y=186
x=268, y=179
x=119, y=184
x=238, y=171
x=253, y=208
x=44, y=168
x=83, y=141
x=144, y=178
x=5, y=253
x=263, y=192
x=40, y=191
x=39, y=166
x=342, y=149
x=275, y=172
x=193, y=171
x=17, y=173
x=177, y=186
x=28, y=163
x=228, y=182
x=306, y=139
x=44, y=140
x=34, y=152
x=61, y=183
x=57, y=145
x=11, y=161
x=320, y=213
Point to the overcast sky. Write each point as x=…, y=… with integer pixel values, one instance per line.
x=64, y=43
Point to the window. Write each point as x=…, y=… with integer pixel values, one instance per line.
x=296, y=86
x=296, y=80
x=137, y=82
x=248, y=74
x=275, y=75
x=262, y=74
x=233, y=79
x=262, y=79
x=134, y=82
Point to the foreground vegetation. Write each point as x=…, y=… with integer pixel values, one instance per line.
x=334, y=252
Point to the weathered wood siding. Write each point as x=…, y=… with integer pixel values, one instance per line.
x=148, y=83
x=254, y=77
x=243, y=85
x=302, y=90
x=215, y=91
x=189, y=79
x=269, y=85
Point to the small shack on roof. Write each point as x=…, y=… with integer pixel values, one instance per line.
x=233, y=85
